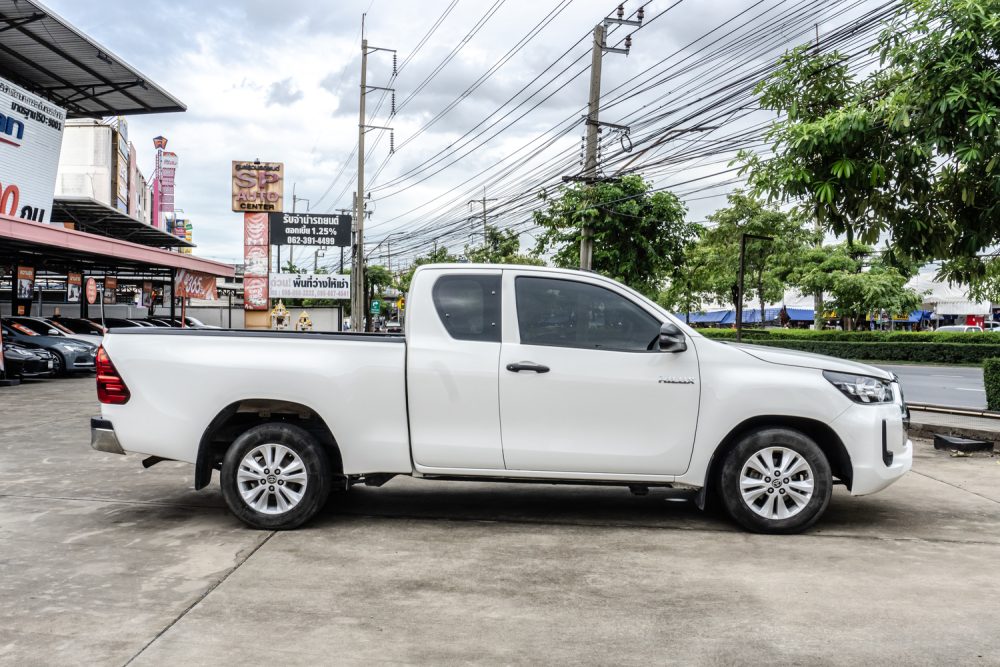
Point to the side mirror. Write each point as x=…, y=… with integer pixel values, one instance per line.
x=671, y=338
x=55, y=332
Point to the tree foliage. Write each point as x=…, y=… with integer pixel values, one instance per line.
x=713, y=263
x=502, y=246
x=640, y=237
x=911, y=150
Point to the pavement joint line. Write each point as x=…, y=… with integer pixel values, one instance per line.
x=201, y=597
x=954, y=486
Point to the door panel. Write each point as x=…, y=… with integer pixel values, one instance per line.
x=597, y=409
x=453, y=348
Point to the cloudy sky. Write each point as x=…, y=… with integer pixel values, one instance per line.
x=279, y=81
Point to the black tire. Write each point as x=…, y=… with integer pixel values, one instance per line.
x=776, y=490
x=59, y=370
x=313, y=461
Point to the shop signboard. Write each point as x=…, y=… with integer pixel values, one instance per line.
x=194, y=284
x=74, y=283
x=258, y=186
x=110, y=288
x=31, y=130
x=168, y=170
x=309, y=286
x=91, y=291
x=310, y=229
x=256, y=261
x=147, y=294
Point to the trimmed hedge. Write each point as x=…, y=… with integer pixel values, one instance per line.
x=938, y=353
x=970, y=338
x=991, y=379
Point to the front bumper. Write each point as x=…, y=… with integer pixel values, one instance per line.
x=876, y=440
x=103, y=437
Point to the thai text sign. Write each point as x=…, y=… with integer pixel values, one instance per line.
x=31, y=131
x=258, y=186
x=256, y=260
x=309, y=286
x=310, y=229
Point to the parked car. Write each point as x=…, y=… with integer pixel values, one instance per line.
x=520, y=373
x=48, y=327
x=72, y=356
x=22, y=361
x=120, y=323
x=990, y=325
x=960, y=327
x=393, y=326
x=80, y=325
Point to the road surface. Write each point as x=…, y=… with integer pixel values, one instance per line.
x=959, y=386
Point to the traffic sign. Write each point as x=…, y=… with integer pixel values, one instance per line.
x=401, y=303
x=376, y=307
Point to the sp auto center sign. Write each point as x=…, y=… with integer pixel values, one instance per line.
x=310, y=229
x=30, y=139
x=258, y=186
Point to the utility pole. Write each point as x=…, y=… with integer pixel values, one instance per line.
x=593, y=113
x=295, y=200
x=483, y=201
x=358, y=305
x=739, y=285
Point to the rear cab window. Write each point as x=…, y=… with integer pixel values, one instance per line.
x=469, y=306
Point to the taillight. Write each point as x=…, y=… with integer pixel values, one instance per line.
x=110, y=386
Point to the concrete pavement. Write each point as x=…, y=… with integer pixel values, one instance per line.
x=102, y=562
x=958, y=386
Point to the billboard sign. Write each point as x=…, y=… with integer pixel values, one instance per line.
x=258, y=186
x=110, y=287
x=31, y=132
x=168, y=168
x=309, y=286
x=310, y=229
x=196, y=285
x=256, y=261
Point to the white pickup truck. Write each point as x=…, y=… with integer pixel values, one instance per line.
x=504, y=373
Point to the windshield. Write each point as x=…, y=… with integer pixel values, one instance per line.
x=20, y=328
x=59, y=326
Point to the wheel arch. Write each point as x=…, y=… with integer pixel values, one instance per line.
x=239, y=416
x=824, y=436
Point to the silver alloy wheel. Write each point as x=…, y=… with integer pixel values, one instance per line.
x=272, y=479
x=776, y=482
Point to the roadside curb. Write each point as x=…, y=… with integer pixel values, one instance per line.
x=923, y=425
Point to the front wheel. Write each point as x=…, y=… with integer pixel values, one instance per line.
x=776, y=480
x=275, y=476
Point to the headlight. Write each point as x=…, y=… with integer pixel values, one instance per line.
x=861, y=388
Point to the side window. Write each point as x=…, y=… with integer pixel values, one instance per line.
x=469, y=306
x=573, y=314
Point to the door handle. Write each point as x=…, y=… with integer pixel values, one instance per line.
x=527, y=366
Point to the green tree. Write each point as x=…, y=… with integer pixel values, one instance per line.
x=639, y=236
x=436, y=256
x=911, y=149
x=502, y=246
x=714, y=260
x=839, y=271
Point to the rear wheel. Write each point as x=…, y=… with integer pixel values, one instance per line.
x=275, y=476
x=776, y=480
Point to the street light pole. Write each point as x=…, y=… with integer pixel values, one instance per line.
x=739, y=283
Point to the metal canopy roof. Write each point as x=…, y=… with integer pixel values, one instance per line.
x=43, y=53
x=94, y=217
x=52, y=248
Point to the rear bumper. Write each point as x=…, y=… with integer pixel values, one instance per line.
x=103, y=437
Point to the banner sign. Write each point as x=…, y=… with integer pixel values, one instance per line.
x=31, y=131
x=196, y=285
x=74, y=284
x=258, y=186
x=256, y=261
x=110, y=287
x=309, y=286
x=310, y=229
x=24, y=285
x=147, y=294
